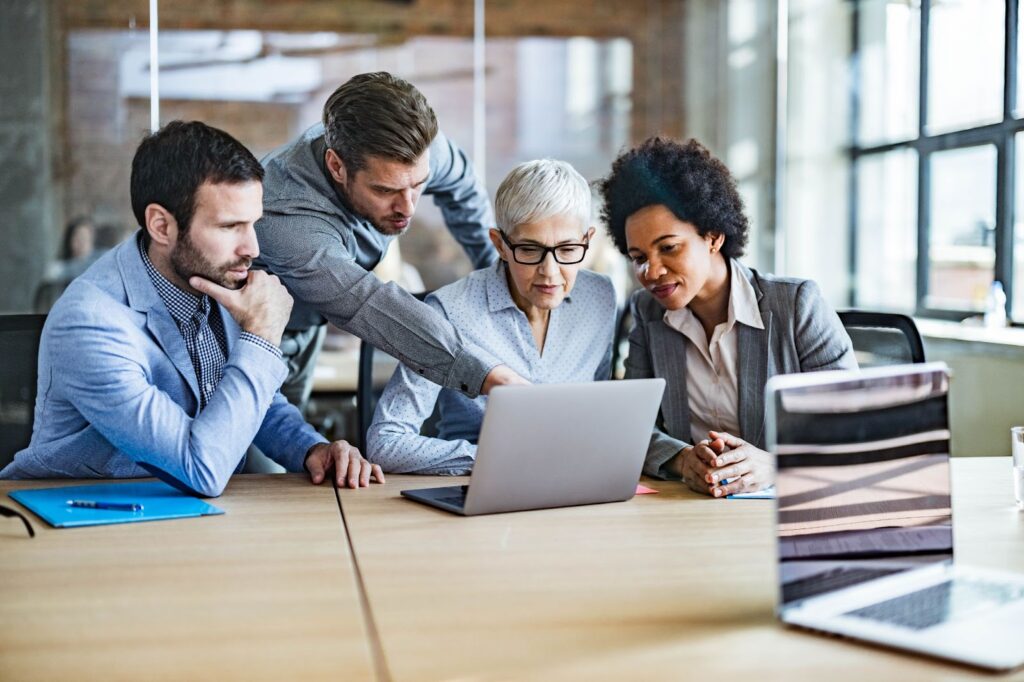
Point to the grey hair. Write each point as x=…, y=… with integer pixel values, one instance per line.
x=537, y=190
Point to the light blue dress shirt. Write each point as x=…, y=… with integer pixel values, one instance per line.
x=577, y=348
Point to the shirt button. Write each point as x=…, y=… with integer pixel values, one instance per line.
x=209, y=388
x=200, y=336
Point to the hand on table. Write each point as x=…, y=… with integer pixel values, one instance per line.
x=746, y=468
x=350, y=467
x=724, y=457
x=696, y=463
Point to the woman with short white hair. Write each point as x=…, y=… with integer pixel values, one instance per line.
x=536, y=311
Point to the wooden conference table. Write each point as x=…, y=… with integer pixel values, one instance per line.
x=665, y=586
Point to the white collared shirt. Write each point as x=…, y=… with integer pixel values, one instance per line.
x=712, y=384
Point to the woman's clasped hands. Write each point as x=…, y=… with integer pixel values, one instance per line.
x=723, y=464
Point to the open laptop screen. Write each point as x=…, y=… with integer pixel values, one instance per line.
x=863, y=475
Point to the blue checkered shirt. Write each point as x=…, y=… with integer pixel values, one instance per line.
x=201, y=327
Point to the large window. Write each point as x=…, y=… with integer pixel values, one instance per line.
x=935, y=217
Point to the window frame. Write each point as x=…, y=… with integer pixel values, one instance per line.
x=1000, y=135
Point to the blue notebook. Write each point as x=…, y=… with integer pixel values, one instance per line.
x=158, y=500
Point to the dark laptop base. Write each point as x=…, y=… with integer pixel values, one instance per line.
x=451, y=498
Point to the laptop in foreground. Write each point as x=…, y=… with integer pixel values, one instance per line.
x=865, y=521
x=556, y=445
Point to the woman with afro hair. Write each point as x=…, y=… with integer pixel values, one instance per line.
x=713, y=328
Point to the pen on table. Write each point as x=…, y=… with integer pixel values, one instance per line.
x=113, y=506
x=721, y=484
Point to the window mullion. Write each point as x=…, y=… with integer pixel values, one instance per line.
x=1003, y=270
x=1006, y=189
x=1010, y=61
x=923, y=162
x=854, y=133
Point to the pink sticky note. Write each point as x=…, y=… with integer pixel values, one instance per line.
x=644, y=490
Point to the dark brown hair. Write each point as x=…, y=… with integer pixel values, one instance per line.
x=171, y=164
x=377, y=114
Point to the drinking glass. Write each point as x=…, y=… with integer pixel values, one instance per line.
x=1017, y=448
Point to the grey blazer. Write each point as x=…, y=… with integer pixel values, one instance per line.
x=801, y=334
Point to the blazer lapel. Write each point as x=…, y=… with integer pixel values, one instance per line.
x=752, y=375
x=161, y=325
x=668, y=355
x=143, y=297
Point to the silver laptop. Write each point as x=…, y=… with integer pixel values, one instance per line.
x=556, y=445
x=865, y=521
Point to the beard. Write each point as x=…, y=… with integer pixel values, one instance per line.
x=383, y=224
x=188, y=261
x=387, y=227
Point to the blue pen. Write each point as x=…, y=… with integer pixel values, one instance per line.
x=113, y=506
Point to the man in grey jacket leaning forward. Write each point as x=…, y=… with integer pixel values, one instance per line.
x=334, y=200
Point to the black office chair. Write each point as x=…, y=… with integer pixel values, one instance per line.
x=19, y=348
x=47, y=294
x=882, y=338
x=620, y=342
x=375, y=369
x=371, y=385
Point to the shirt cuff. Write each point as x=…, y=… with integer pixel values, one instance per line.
x=304, y=443
x=660, y=452
x=262, y=343
x=470, y=369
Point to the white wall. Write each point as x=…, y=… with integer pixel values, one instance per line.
x=986, y=396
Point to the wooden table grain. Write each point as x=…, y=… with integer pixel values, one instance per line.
x=263, y=592
x=665, y=586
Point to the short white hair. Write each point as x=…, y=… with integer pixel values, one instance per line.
x=537, y=190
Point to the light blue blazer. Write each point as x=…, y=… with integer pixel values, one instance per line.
x=801, y=334
x=118, y=396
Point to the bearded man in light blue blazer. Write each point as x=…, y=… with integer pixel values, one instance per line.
x=163, y=358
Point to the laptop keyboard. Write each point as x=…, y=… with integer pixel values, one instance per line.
x=942, y=603
x=830, y=581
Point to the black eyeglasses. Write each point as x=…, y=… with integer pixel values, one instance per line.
x=7, y=511
x=533, y=254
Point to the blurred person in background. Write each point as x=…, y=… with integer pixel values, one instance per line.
x=77, y=253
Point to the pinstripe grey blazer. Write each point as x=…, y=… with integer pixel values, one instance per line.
x=801, y=334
